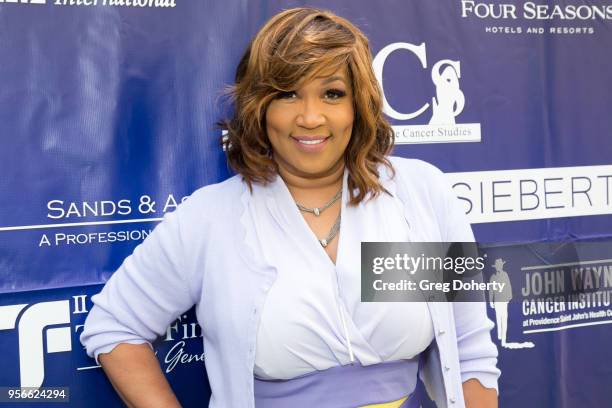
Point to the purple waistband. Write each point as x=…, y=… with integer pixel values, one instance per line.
x=346, y=386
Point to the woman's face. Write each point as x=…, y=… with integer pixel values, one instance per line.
x=310, y=128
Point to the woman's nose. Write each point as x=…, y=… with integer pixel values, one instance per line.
x=311, y=115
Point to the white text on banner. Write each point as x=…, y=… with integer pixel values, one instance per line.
x=528, y=194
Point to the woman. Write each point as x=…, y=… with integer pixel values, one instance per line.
x=271, y=257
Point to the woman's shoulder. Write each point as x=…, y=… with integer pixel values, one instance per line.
x=212, y=200
x=416, y=169
x=222, y=191
x=423, y=182
x=417, y=176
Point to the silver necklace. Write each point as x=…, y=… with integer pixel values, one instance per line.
x=318, y=210
x=332, y=233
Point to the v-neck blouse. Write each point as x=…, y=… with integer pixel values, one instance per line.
x=313, y=318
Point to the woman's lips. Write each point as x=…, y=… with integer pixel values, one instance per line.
x=311, y=144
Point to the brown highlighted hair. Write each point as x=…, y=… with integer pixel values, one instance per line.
x=291, y=48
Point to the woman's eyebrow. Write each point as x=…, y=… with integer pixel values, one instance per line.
x=332, y=79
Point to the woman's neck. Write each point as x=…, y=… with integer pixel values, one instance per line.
x=305, y=188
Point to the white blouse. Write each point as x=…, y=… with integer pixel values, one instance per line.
x=313, y=318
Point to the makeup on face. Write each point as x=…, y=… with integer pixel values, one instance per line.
x=309, y=128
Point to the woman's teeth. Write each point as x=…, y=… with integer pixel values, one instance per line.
x=311, y=142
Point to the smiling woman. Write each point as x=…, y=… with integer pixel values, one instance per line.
x=271, y=256
x=315, y=67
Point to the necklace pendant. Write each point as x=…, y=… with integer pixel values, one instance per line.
x=323, y=242
x=317, y=212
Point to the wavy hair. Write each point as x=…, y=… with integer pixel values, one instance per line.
x=293, y=47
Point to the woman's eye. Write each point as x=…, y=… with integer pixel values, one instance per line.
x=286, y=95
x=334, y=93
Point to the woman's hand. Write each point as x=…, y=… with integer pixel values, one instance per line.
x=136, y=375
x=477, y=396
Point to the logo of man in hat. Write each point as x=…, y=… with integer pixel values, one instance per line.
x=499, y=300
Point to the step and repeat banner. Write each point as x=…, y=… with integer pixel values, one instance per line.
x=108, y=112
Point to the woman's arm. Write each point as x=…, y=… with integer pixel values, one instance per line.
x=477, y=352
x=136, y=375
x=151, y=289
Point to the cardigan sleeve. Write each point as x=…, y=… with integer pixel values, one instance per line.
x=149, y=290
x=477, y=352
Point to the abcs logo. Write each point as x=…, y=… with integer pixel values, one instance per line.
x=446, y=105
x=32, y=323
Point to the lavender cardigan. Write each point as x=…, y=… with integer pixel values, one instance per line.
x=208, y=253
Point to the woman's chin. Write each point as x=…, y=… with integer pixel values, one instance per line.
x=318, y=169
